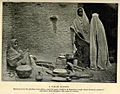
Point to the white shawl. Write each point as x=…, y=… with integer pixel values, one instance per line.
x=81, y=25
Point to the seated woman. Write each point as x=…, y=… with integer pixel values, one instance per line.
x=15, y=56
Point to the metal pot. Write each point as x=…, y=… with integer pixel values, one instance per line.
x=69, y=56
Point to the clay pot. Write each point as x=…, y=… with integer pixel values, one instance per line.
x=39, y=77
x=23, y=71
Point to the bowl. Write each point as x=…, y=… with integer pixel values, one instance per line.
x=60, y=71
x=61, y=79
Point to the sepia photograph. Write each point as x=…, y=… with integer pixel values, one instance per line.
x=59, y=42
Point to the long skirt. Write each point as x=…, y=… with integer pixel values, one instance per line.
x=82, y=53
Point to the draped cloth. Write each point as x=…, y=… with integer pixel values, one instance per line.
x=81, y=25
x=80, y=38
x=16, y=56
x=99, y=56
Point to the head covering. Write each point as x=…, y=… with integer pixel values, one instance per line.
x=99, y=56
x=13, y=40
x=11, y=52
x=81, y=25
x=11, y=43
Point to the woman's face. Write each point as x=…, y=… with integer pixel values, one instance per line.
x=80, y=12
x=15, y=44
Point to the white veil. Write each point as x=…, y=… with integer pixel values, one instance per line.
x=99, y=56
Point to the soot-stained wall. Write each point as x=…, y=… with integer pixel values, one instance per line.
x=30, y=23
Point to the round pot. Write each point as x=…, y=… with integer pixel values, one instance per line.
x=39, y=77
x=23, y=71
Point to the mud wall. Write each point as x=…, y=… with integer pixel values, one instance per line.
x=30, y=23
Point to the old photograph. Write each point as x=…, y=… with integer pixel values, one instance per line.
x=59, y=42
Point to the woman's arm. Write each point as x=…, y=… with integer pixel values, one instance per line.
x=73, y=40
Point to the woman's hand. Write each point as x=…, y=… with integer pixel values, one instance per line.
x=21, y=57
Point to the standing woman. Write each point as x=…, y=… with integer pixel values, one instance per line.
x=80, y=38
x=99, y=56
